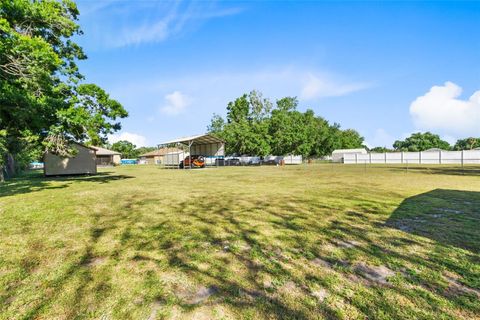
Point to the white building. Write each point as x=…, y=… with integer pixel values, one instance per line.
x=338, y=155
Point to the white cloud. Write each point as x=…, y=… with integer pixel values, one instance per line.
x=176, y=102
x=137, y=139
x=441, y=109
x=117, y=24
x=322, y=85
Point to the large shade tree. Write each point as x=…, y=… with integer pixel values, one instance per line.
x=126, y=148
x=467, y=144
x=421, y=142
x=254, y=126
x=42, y=98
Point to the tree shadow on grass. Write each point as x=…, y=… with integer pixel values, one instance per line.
x=456, y=170
x=35, y=181
x=233, y=246
x=451, y=217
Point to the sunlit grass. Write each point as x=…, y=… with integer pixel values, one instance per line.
x=318, y=241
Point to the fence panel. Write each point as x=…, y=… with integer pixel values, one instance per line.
x=424, y=157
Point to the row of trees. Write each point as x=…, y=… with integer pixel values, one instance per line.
x=128, y=149
x=424, y=141
x=43, y=101
x=255, y=126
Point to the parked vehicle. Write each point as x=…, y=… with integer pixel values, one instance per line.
x=233, y=162
x=196, y=161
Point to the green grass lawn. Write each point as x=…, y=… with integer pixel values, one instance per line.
x=301, y=242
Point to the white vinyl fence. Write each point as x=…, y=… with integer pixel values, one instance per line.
x=425, y=157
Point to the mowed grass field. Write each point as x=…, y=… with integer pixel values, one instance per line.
x=300, y=242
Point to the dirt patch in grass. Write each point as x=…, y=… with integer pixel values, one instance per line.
x=348, y=244
x=95, y=261
x=321, y=294
x=196, y=295
x=377, y=274
x=456, y=288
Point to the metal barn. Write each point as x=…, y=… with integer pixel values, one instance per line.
x=206, y=145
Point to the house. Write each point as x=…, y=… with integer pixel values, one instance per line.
x=337, y=155
x=107, y=157
x=82, y=162
x=156, y=156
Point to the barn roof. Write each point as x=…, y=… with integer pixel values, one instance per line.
x=159, y=152
x=197, y=139
x=360, y=150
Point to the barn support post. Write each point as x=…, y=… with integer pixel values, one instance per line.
x=189, y=154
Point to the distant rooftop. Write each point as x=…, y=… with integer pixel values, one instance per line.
x=104, y=152
x=360, y=150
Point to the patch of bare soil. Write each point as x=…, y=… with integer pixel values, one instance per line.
x=456, y=288
x=196, y=296
x=346, y=244
x=378, y=274
x=321, y=263
x=153, y=315
x=321, y=294
x=96, y=261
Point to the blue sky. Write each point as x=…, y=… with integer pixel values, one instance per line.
x=386, y=69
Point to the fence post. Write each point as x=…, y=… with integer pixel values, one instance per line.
x=385, y=155
x=440, y=157
x=356, y=158
x=463, y=171
x=420, y=157
x=370, y=157
x=402, y=157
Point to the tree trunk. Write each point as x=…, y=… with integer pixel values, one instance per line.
x=10, y=167
x=2, y=177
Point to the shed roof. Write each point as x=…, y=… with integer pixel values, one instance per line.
x=197, y=139
x=105, y=152
x=360, y=150
x=160, y=152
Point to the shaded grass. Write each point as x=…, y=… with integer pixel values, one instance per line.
x=301, y=242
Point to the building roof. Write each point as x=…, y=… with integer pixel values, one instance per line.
x=160, y=152
x=105, y=152
x=433, y=149
x=360, y=150
x=197, y=139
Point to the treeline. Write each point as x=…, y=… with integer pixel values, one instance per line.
x=255, y=126
x=128, y=150
x=424, y=141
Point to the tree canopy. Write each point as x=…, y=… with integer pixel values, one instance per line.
x=254, y=126
x=43, y=99
x=421, y=142
x=467, y=144
x=126, y=148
